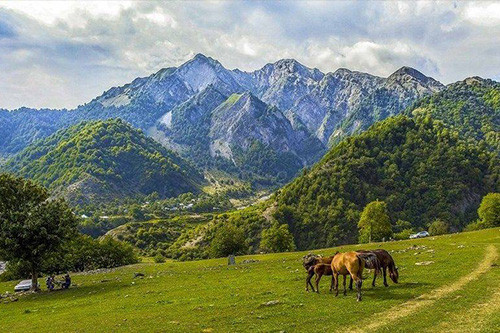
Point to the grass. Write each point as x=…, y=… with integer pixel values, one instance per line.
x=459, y=291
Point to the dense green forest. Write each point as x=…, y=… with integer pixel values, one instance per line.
x=471, y=107
x=418, y=166
x=103, y=160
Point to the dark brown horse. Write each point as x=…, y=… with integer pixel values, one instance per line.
x=319, y=270
x=310, y=262
x=385, y=262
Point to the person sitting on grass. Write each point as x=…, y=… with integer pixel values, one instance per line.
x=67, y=281
x=50, y=282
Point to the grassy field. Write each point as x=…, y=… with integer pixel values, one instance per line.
x=459, y=291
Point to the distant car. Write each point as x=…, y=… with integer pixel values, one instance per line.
x=24, y=285
x=420, y=234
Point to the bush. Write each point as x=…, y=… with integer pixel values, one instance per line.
x=228, y=240
x=478, y=225
x=438, y=227
x=277, y=239
x=159, y=259
x=404, y=234
x=137, y=213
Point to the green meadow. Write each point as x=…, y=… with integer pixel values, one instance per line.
x=457, y=288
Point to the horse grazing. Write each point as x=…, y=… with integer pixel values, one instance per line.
x=384, y=262
x=350, y=263
x=310, y=262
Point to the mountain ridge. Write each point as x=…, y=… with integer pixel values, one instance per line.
x=315, y=104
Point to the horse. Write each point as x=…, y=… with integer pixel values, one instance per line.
x=309, y=262
x=385, y=262
x=351, y=263
x=319, y=270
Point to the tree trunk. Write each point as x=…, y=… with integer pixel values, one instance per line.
x=34, y=280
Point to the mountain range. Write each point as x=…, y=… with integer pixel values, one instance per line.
x=242, y=122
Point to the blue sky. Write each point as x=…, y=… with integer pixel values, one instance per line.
x=62, y=54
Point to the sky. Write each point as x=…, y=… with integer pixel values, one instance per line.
x=63, y=54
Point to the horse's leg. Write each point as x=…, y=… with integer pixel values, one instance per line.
x=359, y=283
x=345, y=290
x=374, y=277
x=350, y=283
x=336, y=285
x=385, y=277
x=318, y=278
x=308, y=281
x=331, y=284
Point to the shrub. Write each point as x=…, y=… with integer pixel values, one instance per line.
x=438, y=227
x=477, y=225
x=404, y=234
x=277, y=239
x=159, y=259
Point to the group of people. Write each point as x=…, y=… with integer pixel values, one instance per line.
x=51, y=282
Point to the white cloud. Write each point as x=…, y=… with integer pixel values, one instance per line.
x=79, y=49
x=487, y=14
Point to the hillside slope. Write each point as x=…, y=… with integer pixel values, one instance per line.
x=420, y=168
x=471, y=107
x=103, y=160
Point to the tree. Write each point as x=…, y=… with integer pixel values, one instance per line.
x=32, y=227
x=374, y=223
x=489, y=210
x=277, y=239
x=438, y=227
x=228, y=239
x=137, y=213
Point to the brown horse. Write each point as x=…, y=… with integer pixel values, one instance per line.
x=350, y=263
x=386, y=262
x=309, y=262
x=319, y=270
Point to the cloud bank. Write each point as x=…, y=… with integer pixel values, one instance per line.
x=61, y=54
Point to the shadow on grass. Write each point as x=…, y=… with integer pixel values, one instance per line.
x=401, y=291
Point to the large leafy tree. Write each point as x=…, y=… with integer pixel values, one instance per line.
x=374, y=223
x=228, y=239
x=277, y=239
x=489, y=210
x=32, y=227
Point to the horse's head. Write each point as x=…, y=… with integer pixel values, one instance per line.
x=309, y=260
x=394, y=274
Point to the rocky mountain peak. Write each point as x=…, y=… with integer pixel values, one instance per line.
x=410, y=76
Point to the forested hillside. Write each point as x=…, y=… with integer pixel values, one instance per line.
x=419, y=167
x=471, y=107
x=104, y=160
